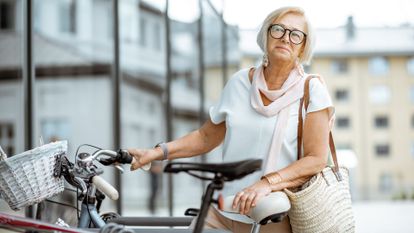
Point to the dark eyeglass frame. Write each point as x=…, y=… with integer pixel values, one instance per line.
x=290, y=33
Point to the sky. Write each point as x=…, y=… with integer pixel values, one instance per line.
x=249, y=14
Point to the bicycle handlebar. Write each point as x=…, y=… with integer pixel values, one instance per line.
x=120, y=156
x=86, y=172
x=105, y=157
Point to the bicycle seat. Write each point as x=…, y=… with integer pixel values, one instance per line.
x=271, y=208
x=228, y=171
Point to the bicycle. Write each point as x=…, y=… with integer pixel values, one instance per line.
x=84, y=175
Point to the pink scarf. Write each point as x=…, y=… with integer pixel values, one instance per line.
x=290, y=92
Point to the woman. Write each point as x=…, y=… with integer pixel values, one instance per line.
x=257, y=115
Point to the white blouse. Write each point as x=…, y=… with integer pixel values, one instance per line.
x=249, y=134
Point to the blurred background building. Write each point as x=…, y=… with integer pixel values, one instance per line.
x=369, y=72
x=73, y=56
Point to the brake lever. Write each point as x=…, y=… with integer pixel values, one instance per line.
x=111, y=161
x=81, y=185
x=119, y=168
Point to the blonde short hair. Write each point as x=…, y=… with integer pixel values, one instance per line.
x=307, y=53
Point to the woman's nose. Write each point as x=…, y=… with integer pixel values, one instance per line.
x=285, y=38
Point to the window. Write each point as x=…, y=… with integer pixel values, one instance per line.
x=342, y=95
x=152, y=136
x=412, y=121
x=380, y=94
x=157, y=36
x=7, y=138
x=307, y=68
x=339, y=66
x=382, y=150
x=412, y=150
x=385, y=182
x=55, y=129
x=410, y=66
x=412, y=94
x=7, y=15
x=151, y=106
x=378, y=66
x=68, y=16
x=381, y=122
x=342, y=122
x=143, y=32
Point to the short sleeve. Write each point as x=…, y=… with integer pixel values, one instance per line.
x=218, y=111
x=319, y=97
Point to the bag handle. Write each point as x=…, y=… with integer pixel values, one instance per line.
x=305, y=101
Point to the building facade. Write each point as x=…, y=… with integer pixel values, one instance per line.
x=73, y=58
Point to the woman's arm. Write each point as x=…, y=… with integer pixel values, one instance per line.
x=315, y=139
x=316, y=144
x=200, y=141
x=197, y=142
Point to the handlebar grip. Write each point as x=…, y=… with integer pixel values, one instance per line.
x=105, y=187
x=125, y=157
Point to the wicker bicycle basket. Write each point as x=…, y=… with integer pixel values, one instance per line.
x=27, y=178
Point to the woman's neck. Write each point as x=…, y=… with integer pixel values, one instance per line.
x=276, y=75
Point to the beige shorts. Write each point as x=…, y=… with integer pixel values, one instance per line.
x=215, y=220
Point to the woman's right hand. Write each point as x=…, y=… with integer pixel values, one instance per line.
x=144, y=156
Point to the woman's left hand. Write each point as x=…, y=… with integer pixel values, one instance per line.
x=248, y=197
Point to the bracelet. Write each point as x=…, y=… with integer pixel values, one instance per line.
x=164, y=149
x=272, y=178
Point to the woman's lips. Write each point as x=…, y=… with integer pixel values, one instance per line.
x=283, y=48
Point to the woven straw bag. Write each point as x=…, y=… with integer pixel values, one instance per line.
x=323, y=204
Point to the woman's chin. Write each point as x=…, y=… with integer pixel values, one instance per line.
x=283, y=58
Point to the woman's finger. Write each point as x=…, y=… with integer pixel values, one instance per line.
x=136, y=161
x=237, y=199
x=256, y=199
x=248, y=203
x=243, y=200
x=135, y=165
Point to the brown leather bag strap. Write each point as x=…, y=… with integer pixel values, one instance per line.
x=300, y=127
x=304, y=101
x=333, y=151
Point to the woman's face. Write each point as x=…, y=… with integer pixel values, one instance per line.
x=283, y=49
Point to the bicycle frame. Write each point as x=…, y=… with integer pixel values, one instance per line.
x=88, y=214
x=16, y=222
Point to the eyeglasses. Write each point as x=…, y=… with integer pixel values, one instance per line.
x=277, y=31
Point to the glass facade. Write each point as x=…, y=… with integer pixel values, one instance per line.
x=12, y=104
x=81, y=52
